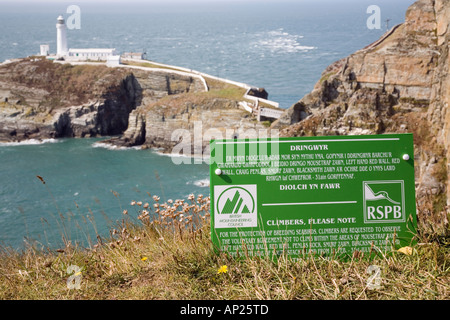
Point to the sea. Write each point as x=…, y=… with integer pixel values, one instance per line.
x=75, y=190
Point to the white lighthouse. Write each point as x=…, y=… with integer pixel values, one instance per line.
x=61, y=38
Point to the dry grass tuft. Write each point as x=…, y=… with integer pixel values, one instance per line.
x=164, y=251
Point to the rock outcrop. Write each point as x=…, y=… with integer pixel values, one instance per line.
x=185, y=124
x=397, y=84
x=41, y=99
x=137, y=105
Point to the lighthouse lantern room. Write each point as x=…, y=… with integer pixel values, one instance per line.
x=61, y=37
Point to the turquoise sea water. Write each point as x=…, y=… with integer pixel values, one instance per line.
x=85, y=187
x=282, y=46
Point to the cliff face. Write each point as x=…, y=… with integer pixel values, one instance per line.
x=186, y=123
x=398, y=84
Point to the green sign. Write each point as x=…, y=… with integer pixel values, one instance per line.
x=326, y=195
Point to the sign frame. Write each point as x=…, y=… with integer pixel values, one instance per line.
x=325, y=195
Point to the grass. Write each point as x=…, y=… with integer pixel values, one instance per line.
x=176, y=103
x=66, y=84
x=164, y=251
x=149, y=65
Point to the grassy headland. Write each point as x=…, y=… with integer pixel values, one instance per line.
x=164, y=251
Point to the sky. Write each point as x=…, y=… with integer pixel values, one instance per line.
x=144, y=6
x=34, y=3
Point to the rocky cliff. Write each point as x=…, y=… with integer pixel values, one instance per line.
x=397, y=84
x=42, y=99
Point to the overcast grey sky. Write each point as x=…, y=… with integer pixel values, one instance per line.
x=143, y=6
x=38, y=2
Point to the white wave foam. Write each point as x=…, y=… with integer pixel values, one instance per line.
x=171, y=155
x=29, y=142
x=200, y=183
x=179, y=155
x=279, y=41
x=113, y=147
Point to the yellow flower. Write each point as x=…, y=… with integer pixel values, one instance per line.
x=406, y=250
x=222, y=269
x=144, y=258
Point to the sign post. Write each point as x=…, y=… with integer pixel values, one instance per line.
x=326, y=195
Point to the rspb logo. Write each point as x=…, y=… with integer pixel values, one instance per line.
x=384, y=201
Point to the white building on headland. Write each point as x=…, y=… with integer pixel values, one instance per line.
x=111, y=56
x=45, y=50
x=91, y=54
x=113, y=61
x=61, y=37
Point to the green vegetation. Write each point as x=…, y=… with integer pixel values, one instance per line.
x=65, y=84
x=164, y=251
x=266, y=123
x=326, y=77
x=231, y=93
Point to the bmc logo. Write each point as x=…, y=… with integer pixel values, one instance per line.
x=237, y=199
x=384, y=201
x=235, y=206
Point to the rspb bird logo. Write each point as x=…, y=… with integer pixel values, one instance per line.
x=235, y=206
x=384, y=201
